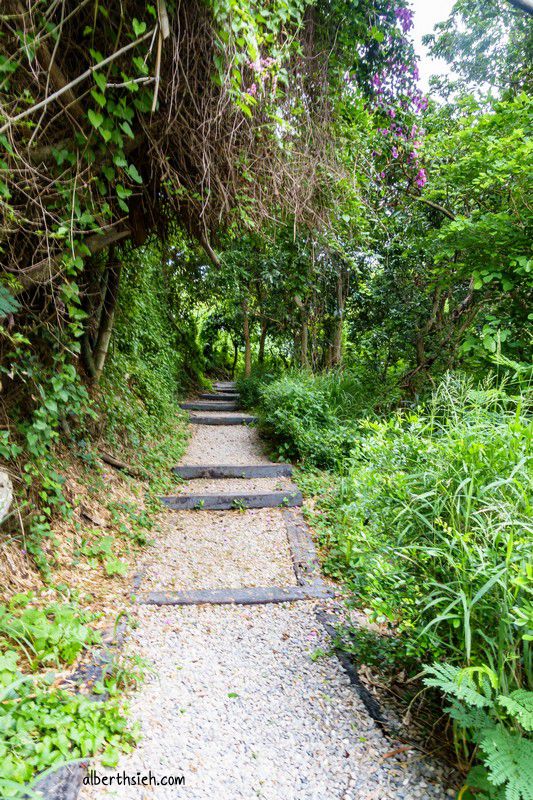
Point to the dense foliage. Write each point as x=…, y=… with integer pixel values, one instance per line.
x=191, y=190
x=428, y=522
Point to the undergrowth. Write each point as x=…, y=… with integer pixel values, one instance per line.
x=44, y=725
x=426, y=516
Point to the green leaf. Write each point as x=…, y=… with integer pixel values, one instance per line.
x=134, y=173
x=138, y=27
x=126, y=127
x=100, y=80
x=95, y=118
x=99, y=98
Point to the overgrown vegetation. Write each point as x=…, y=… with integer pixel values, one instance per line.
x=44, y=724
x=191, y=190
x=428, y=522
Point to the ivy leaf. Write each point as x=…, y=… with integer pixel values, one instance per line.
x=138, y=27
x=119, y=160
x=126, y=127
x=99, y=98
x=123, y=191
x=100, y=80
x=134, y=173
x=95, y=118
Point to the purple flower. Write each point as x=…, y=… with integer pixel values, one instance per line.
x=405, y=18
x=394, y=152
x=421, y=178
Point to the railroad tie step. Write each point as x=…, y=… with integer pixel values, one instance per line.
x=224, y=396
x=234, y=471
x=259, y=595
x=220, y=419
x=209, y=406
x=228, y=502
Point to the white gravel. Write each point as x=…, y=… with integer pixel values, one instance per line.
x=220, y=549
x=224, y=444
x=239, y=708
x=235, y=485
x=236, y=704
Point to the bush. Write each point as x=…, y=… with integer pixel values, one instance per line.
x=314, y=418
x=429, y=524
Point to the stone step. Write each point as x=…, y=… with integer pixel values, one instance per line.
x=227, y=502
x=207, y=406
x=224, y=385
x=259, y=595
x=221, y=390
x=237, y=419
x=234, y=471
x=224, y=396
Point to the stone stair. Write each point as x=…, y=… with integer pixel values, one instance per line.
x=283, y=495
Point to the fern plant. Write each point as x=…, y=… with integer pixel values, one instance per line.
x=497, y=725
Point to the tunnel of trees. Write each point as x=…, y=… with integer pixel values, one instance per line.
x=201, y=189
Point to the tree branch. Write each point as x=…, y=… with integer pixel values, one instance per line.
x=69, y=86
x=434, y=205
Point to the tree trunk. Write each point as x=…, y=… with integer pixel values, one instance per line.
x=262, y=340
x=235, y=357
x=304, y=346
x=106, y=320
x=247, y=343
x=336, y=354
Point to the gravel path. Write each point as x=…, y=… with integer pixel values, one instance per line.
x=239, y=708
x=235, y=485
x=220, y=549
x=224, y=444
x=242, y=700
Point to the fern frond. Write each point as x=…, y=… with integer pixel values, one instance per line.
x=509, y=761
x=476, y=720
x=457, y=683
x=519, y=704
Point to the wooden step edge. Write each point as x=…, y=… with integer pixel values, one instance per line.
x=240, y=419
x=233, y=502
x=233, y=471
x=226, y=396
x=261, y=595
x=209, y=406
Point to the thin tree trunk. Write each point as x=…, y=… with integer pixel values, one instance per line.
x=107, y=319
x=247, y=343
x=336, y=355
x=262, y=340
x=304, y=344
x=235, y=357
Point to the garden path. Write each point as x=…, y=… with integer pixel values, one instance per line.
x=242, y=701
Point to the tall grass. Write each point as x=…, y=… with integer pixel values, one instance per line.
x=437, y=511
x=427, y=518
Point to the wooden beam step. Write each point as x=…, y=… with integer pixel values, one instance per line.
x=207, y=406
x=238, y=419
x=227, y=502
x=234, y=471
x=259, y=595
x=224, y=396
